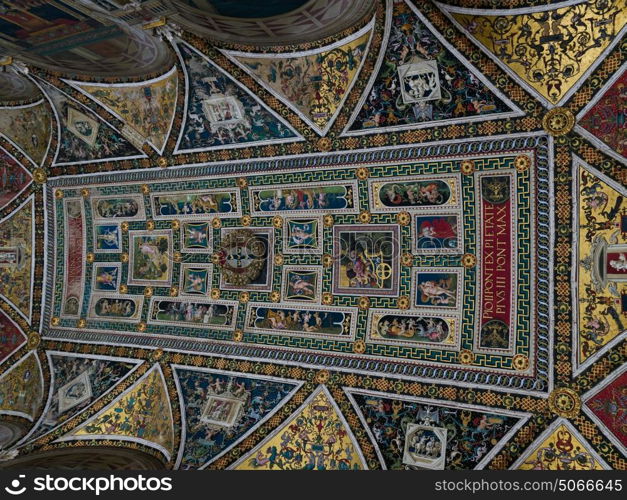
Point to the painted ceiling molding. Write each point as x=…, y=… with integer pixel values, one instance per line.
x=11, y=335
x=332, y=70
x=221, y=113
x=28, y=127
x=14, y=178
x=143, y=412
x=146, y=108
x=317, y=422
x=563, y=440
x=202, y=268
x=550, y=49
x=21, y=388
x=418, y=83
x=83, y=135
x=602, y=120
x=76, y=382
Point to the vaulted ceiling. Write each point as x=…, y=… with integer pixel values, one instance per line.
x=320, y=234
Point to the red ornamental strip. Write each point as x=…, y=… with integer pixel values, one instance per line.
x=497, y=256
x=74, y=257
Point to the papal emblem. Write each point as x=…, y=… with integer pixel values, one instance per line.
x=242, y=257
x=495, y=189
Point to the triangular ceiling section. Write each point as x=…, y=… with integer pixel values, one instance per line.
x=221, y=113
x=14, y=178
x=604, y=117
x=21, y=388
x=601, y=265
x=17, y=236
x=29, y=128
x=78, y=381
x=560, y=447
x=83, y=136
x=221, y=409
x=315, y=437
x=549, y=51
x=313, y=83
x=11, y=337
x=607, y=406
x=142, y=414
x=146, y=108
x=424, y=434
x=421, y=80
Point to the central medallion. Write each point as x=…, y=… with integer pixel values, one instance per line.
x=242, y=257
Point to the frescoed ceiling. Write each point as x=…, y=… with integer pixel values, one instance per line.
x=293, y=235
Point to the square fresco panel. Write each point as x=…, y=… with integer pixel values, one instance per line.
x=366, y=260
x=151, y=256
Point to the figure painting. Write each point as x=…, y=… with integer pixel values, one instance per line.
x=221, y=411
x=74, y=392
x=302, y=236
x=196, y=236
x=82, y=126
x=601, y=253
x=425, y=446
x=437, y=234
x=469, y=435
x=143, y=410
x=78, y=381
x=224, y=112
x=420, y=80
x=151, y=257
x=113, y=307
x=84, y=137
x=366, y=260
x=410, y=328
x=194, y=279
x=315, y=437
x=201, y=314
x=304, y=198
x=118, y=207
x=301, y=283
x=208, y=394
x=308, y=321
x=437, y=288
x=314, y=83
x=107, y=238
x=194, y=204
x=106, y=277
x=415, y=193
x=21, y=388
